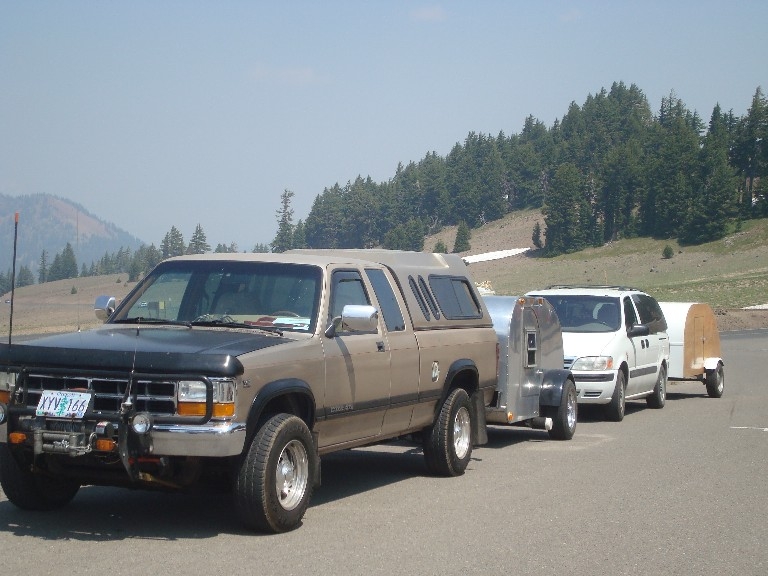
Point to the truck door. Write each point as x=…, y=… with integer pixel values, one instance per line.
x=356, y=369
x=403, y=350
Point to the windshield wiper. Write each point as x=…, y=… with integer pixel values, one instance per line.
x=226, y=322
x=143, y=320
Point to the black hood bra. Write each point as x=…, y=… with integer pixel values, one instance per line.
x=149, y=349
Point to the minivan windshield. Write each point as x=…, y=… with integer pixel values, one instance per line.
x=227, y=293
x=578, y=313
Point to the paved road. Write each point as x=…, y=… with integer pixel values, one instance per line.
x=675, y=491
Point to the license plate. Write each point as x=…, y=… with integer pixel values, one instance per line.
x=63, y=404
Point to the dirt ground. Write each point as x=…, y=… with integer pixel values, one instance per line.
x=729, y=319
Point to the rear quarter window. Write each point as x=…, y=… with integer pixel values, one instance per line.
x=455, y=297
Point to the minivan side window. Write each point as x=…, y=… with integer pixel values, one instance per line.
x=650, y=313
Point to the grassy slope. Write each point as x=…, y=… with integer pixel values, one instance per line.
x=730, y=273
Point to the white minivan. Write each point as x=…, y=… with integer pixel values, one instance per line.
x=614, y=342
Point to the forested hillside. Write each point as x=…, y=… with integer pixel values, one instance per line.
x=610, y=168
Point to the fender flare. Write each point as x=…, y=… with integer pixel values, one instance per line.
x=552, y=384
x=274, y=390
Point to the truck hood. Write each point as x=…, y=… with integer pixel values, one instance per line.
x=166, y=349
x=579, y=344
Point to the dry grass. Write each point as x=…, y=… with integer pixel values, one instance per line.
x=728, y=275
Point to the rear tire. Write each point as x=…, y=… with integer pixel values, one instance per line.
x=564, y=418
x=30, y=491
x=274, y=484
x=614, y=411
x=448, y=443
x=658, y=397
x=715, y=381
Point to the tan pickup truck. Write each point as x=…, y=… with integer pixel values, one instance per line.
x=246, y=369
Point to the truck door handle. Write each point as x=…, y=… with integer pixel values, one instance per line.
x=380, y=347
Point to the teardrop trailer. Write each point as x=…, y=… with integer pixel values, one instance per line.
x=694, y=345
x=533, y=389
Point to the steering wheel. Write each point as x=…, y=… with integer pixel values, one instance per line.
x=285, y=313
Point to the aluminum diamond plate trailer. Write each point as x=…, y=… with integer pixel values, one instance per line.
x=694, y=345
x=533, y=389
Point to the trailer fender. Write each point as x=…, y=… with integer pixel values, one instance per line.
x=553, y=382
x=712, y=363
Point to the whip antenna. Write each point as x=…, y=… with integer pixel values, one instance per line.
x=13, y=275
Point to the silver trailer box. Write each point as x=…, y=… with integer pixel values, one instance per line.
x=533, y=389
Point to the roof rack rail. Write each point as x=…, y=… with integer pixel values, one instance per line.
x=581, y=286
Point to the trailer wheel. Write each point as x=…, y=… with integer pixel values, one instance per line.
x=30, y=491
x=564, y=418
x=273, y=486
x=715, y=381
x=614, y=411
x=658, y=397
x=448, y=443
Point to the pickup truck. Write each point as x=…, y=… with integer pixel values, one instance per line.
x=245, y=369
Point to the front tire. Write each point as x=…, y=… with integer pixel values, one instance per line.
x=30, y=491
x=658, y=397
x=564, y=419
x=715, y=381
x=448, y=444
x=614, y=411
x=274, y=484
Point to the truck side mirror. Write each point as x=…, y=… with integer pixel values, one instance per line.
x=104, y=307
x=356, y=318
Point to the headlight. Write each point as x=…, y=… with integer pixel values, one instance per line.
x=191, y=398
x=593, y=363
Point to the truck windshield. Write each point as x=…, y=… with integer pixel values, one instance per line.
x=265, y=294
x=586, y=313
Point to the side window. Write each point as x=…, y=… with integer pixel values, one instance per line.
x=650, y=313
x=419, y=297
x=346, y=288
x=630, y=318
x=390, y=310
x=455, y=297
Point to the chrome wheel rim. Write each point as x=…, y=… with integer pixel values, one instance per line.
x=292, y=475
x=461, y=433
x=570, y=411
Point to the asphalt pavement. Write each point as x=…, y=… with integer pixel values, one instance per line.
x=677, y=491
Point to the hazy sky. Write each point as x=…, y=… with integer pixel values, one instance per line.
x=153, y=114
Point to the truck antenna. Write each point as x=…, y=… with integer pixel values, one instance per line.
x=13, y=276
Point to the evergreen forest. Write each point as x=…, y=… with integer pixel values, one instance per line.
x=611, y=168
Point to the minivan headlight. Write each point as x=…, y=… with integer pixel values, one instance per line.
x=593, y=363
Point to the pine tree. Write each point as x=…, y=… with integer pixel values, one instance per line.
x=172, y=244
x=536, y=235
x=461, y=243
x=42, y=273
x=198, y=244
x=284, y=238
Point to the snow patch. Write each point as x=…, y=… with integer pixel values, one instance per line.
x=499, y=254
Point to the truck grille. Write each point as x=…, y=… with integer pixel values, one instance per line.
x=155, y=396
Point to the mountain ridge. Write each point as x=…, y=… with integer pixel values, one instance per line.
x=48, y=222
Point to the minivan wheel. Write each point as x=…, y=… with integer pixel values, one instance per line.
x=614, y=411
x=658, y=397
